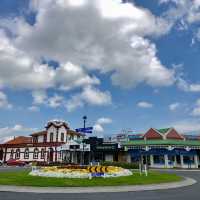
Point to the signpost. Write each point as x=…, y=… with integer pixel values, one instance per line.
x=84, y=130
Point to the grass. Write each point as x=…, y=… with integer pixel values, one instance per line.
x=22, y=178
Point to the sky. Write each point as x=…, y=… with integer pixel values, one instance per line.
x=127, y=65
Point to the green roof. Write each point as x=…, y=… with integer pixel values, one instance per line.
x=163, y=130
x=162, y=142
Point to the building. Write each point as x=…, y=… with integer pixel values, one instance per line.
x=101, y=150
x=163, y=148
x=159, y=148
x=56, y=143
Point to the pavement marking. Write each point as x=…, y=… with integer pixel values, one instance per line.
x=26, y=189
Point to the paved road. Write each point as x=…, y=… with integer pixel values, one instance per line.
x=187, y=193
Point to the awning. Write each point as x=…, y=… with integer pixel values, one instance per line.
x=162, y=152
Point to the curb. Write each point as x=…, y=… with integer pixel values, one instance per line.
x=25, y=189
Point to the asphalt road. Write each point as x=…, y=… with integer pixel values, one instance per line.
x=186, y=193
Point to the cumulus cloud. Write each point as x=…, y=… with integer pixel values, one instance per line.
x=174, y=106
x=182, y=12
x=99, y=125
x=55, y=101
x=144, y=104
x=106, y=35
x=186, y=86
x=7, y=132
x=187, y=125
x=89, y=95
x=40, y=97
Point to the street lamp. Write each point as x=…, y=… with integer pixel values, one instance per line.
x=84, y=121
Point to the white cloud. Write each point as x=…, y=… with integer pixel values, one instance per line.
x=188, y=125
x=34, y=108
x=99, y=125
x=174, y=106
x=72, y=76
x=182, y=12
x=104, y=120
x=91, y=96
x=16, y=130
x=55, y=101
x=187, y=87
x=39, y=96
x=95, y=35
x=98, y=128
x=18, y=70
x=144, y=104
x=4, y=101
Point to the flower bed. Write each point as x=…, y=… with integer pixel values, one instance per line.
x=80, y=172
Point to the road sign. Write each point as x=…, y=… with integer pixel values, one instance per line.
x=85, y=130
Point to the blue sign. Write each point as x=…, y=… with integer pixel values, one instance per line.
x=84, y=130
x=97, y=174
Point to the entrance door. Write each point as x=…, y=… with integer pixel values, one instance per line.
x=51, y=155
x=1, y=154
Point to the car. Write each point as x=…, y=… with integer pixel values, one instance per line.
x=14, y=162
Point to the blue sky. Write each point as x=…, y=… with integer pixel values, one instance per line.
x=131, y=65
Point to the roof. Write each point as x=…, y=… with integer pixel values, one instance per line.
x=39, y=133
x=20, y=140
x=57, y=124
x=162, y=142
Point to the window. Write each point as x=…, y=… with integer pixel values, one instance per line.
x=57, y=136
x=62, y=137
x=35, y=139
x=26, y=154
x=51, y=137
x=35, y=153
x=17, y=155
x=45, y=138
x=42, y=153
x=11, y=154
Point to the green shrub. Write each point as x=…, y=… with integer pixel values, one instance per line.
x=121, y=164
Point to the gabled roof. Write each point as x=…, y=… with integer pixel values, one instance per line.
x=20, y=140
x=153, y=134
x=173, y=134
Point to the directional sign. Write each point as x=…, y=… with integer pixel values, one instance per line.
x=85, y=130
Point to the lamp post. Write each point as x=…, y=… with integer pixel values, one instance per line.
x=84, y=121
x=84, y=125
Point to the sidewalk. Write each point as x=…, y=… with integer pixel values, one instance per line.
x=25, y=189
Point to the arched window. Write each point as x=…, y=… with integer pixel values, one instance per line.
x=42, y=153
x=62, y=137
x=17, y=154
x=26, y=153
x=11, y=154
x=35, y=153
x=51, y=137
